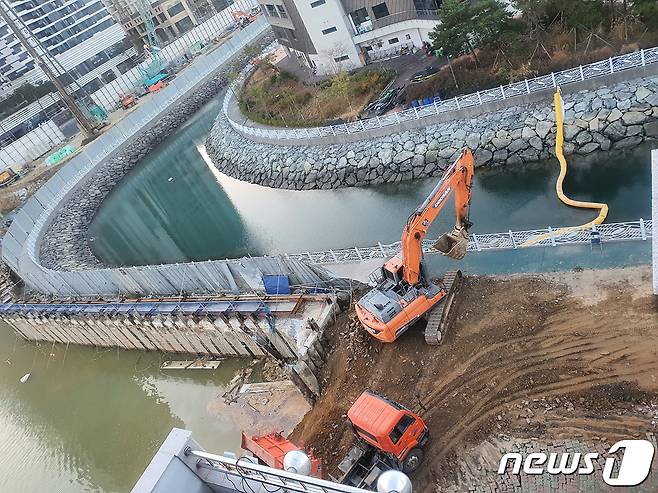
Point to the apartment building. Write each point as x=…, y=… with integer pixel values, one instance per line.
x=81, y=35
x=172, y=18
x=334, y=35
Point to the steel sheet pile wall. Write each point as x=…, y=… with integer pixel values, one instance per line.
x=249, y=328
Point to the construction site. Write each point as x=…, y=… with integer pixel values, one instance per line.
x=373, y=305
x=536, y=363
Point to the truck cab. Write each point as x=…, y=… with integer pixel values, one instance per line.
x=393, y=430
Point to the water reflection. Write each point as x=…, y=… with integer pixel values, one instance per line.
x=203, y=214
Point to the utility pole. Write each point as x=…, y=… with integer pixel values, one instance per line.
x=86, y=126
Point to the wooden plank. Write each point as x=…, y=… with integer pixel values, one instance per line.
x=178, y=336
x=198, y=364
x=40, y=336
x=190, y=334
x=166, y=335
x=53, y=335
x=105, y=333
x=146, y=332
x=91, y=333
x=138, y=333
x=244, y=335
x=24, y=329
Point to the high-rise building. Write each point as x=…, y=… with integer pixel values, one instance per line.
x=80, y=34
x=172, y=18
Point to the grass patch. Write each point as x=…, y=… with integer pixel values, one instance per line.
x=275, y=97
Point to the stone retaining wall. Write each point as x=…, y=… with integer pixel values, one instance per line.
x=615, y=117
x=65, y=245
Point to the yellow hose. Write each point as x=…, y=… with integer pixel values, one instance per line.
x=559, y=141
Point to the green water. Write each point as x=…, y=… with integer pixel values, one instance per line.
x=90, y=420
x=176, y=207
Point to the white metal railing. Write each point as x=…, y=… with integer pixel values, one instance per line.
x=604, y=233
x=271, y=479
x=577, y=74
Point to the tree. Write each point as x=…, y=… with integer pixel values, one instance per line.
x=252, y=51
x=341, y=86
x=466, y=25
x=647, y=12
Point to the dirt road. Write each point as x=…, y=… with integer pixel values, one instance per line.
x=563, y=356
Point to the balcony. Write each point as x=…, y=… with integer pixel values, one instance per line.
x=366, y=24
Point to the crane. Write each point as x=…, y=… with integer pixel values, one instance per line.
x=403, y=292
x=154, y=71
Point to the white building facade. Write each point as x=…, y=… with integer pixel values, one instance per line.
x=334, y=35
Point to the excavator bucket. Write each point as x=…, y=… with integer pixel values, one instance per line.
x=453, y=244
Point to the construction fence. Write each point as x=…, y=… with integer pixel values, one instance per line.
x=36, y=143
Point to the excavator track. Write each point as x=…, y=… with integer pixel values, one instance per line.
x=440, y=318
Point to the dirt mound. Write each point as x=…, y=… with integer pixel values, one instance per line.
x=528, y=357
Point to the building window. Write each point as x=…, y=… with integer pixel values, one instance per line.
x=380, y=10
x=427, y=6
x=108, y=76
x=125, y=66
x=271, y=11
x=176, y=9
x=282, y=11
x=291, y=34
x=392, y=41
x=317, y=3
x=184, y=25
x=329, y=30
x=341, y=58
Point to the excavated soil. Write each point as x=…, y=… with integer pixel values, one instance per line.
x=543, y=357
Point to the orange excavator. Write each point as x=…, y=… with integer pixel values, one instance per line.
x=404, y=292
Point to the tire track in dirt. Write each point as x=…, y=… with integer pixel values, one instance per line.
x=514, y=341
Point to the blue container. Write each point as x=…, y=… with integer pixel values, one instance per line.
x=276, y=284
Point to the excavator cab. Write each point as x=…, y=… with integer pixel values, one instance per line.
x=402, y=291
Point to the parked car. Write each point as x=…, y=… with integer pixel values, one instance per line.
x=425, y=74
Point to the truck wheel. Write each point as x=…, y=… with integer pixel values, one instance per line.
x=412, y=460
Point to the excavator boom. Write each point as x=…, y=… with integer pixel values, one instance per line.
x=403, y=293
x=455, y=180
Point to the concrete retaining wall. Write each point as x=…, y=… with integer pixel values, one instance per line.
x=611, y=117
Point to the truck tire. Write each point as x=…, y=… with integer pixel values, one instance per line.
x=412, y=460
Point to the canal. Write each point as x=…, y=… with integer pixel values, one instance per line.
x=90, y=420
x=176, y=207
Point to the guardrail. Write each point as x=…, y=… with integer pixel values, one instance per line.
x=583, y=72
x=604, y=233
x=20, y=243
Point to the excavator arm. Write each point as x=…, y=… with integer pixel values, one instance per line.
x=456, y=180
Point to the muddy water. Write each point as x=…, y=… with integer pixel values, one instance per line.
x=176, y=207
x=90, y=420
